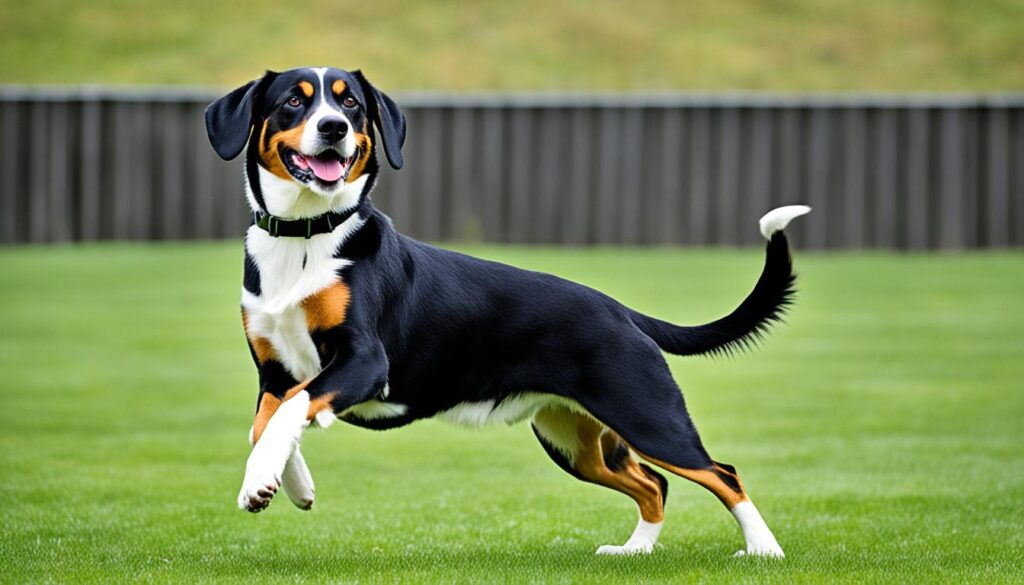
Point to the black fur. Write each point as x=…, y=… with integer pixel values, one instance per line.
x=746, y=325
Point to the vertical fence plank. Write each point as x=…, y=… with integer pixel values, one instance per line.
x=997, y=184
x=579, y=216
x=917, y=215
x=60, y=209
x=950, y=180
x=548, y=213
x=428, y=194
x=700, y=179
x=122, y=165
x=90, y=169
x=1017, y=189
x=173, y=203
x=631, y=192
x=11, y=148
x=608, y=175
x=671, y=178
x=819, y=165
x=886, y=176
x=463, y=221
x=400, y=188
x=39, y=172
x=493, y=172
x=759, y=176
x=520, y=208
x=854, y=177
x=728, y=171
x=141, y=186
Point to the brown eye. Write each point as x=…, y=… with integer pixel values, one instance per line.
x=349, y=102
x=294, y=101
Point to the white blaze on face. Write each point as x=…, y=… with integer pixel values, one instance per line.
x=310, y=143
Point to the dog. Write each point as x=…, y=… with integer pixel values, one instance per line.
x=348, y=319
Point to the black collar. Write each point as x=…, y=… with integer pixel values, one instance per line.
x=302, y=228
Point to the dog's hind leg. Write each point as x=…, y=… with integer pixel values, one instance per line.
x=645, y=407
x=590, y=452
x=297, y=481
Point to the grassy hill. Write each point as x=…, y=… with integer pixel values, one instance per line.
x=532, y=44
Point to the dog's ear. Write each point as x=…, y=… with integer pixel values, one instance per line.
x=229, y=120
x=389, y=119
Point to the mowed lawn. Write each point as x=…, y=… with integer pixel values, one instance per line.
x=881, y=433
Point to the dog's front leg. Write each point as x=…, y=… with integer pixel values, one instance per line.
x=265, y=468
x=342, y=384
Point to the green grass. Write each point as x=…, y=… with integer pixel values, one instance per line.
x=880, y=432
x=531, y=44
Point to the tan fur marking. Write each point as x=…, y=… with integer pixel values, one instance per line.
x=270, y=155
x=296, y=389
x=365, y=146
x=594, y=441
x=338, y=87
x=707, y=479
x=307, y=88
x=268, y=406
x=327, y=308
x=260, y=345
x=318, y=404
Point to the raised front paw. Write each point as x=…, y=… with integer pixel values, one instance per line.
x=257, y=491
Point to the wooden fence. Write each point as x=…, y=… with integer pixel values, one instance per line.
x=898, y=172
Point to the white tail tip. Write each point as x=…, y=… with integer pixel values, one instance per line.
x=777, y=219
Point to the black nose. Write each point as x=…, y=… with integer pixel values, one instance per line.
x=333, y=128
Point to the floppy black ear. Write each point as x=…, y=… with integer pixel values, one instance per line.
x=389, y=119
x=229, y=119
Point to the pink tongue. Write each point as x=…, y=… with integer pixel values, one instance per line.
x=326, y=170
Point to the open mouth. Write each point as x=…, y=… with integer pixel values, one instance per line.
x=326, y=167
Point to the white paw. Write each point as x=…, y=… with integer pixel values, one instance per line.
x=770, y=551
x=644, y=548
x=258, y=489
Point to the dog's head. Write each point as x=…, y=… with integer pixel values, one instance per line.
x=309, y=131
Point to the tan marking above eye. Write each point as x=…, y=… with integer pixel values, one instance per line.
x=307, y=88
x=338, y=87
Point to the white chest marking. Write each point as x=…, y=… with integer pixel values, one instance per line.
x=291, y=270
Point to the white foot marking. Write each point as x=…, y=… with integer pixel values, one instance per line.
x=298, y=481
x=777, y=219
x=642, y=542
x=759, y=538
x=269, y=456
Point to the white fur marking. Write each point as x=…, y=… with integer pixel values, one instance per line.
x=510, y=411
x=269, y=456
x=759, y=538
x=375, y=409
x=644, y=537
x=325, y=418
x=310, y=142
x=291, y=270
x=777, y=219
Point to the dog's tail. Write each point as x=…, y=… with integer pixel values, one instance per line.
x=764, y=305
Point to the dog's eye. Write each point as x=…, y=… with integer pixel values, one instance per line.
x=349, y=102
x=294, y=101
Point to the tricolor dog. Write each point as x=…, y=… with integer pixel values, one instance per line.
x=348, y=319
